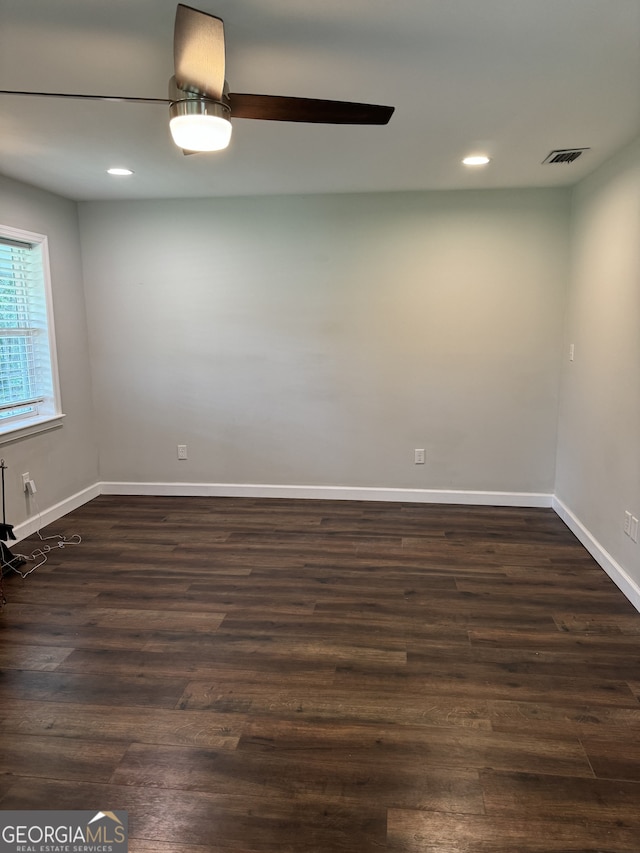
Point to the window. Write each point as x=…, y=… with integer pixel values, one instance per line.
x=29, y=390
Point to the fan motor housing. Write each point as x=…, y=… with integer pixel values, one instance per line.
x=178, y=95
x=192, y=106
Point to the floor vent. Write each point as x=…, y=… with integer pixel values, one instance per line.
x=564, y=155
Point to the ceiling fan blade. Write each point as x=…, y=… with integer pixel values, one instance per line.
x=278, y=108
x=115, y=98
x=198, y=52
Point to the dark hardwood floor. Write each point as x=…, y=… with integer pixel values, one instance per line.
x=281, y=676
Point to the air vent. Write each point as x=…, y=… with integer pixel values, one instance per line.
x=564, y=155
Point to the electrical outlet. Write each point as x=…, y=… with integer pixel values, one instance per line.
x=182, y=451
x=418, y=457
x=25, y=480
x=572, y=351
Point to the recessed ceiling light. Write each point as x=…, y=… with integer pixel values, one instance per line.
x=119, y=171
x=476, y=160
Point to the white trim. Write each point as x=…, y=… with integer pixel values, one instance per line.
x=347, y=493
x=618, y=575
x=31, y=426
x=51, y=328
x=53, y=513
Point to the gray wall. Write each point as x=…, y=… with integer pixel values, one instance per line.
x=63, y=461
x=319, y=340
x=599, y=426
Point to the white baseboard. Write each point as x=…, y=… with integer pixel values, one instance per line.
x=53, y=513
x=347, y=493
x=618, y=575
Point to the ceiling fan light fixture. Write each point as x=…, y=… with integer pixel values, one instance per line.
x=198, y=124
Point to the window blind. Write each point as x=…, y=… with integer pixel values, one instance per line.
x=25, y=365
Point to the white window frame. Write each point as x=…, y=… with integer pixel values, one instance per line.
x=48, y=414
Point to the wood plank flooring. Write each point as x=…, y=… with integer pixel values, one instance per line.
x=281, y=676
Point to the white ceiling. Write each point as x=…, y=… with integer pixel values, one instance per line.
x=512, y=78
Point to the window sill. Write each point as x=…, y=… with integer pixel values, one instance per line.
x=28, y=426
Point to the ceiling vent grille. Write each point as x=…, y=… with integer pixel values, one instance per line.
x=564, y=155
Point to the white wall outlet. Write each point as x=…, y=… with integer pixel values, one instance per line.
x=633, y=532
x=418, y=456
x=182, y=451
x=572, y=350
x=25, y=479
x=627, y=523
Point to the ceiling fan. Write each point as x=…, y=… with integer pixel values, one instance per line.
x=200, y=103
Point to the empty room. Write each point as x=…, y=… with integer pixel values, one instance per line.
x=320, y=426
